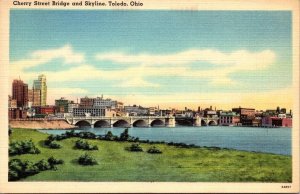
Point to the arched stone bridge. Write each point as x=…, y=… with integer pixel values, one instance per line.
x=197, y=121
x=133, y=121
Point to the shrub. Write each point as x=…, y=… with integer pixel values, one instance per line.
x=154, y=150
x=43, y=165
x=30, y=168
x=53, y=161
x=109, y=136
x=135, y=148
x=124, y=136
x=81, y=144
x=87, y=135
x=23, y=147
x=54, y=145
x=87, y=159
x=19, y=169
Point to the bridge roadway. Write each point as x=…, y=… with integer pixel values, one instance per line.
x=138, y=121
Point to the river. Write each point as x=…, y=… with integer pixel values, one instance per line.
x=268, y=140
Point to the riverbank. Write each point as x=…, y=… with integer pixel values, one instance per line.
x=174, y=164
x=40, y=124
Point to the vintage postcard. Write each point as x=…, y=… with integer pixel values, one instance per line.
x=149, y=96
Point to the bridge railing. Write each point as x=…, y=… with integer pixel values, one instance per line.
x=129, y=117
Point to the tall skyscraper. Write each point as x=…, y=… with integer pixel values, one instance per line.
x=20, y=93
x=40, y=84
x=34, y=97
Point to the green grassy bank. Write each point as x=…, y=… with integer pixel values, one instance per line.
x=174, y=164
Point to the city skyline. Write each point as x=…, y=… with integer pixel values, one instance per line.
x=184, y=59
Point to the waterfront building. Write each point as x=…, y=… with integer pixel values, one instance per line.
x=12, y=103
x=62, y=105
x=102, y=112
x=46, y=110
x=100, y=102
x=136, y=110
x=34, y=97
x=20, y=93
x=40, y=84
x=229, y=119
x=274, y=121
x=247, y=115
x=17, y=113
x=86, y=102
x=71, y=106
x=153, y=111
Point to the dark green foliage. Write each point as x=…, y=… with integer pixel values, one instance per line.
x=43, y=165
x=81, y=144
x=19, y=169
x=87, y=135
x=124, y=136
x=53, y=161
x=154, y=150
x=9, y=131
x=135, y=148
x=183, y=145
x=23, y=147
x=109, y=136
x=70, y=133
x=87, y=159
x=54, y=145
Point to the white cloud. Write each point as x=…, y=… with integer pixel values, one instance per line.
x=241, y=59
x=66, y=53
x=137, y=82
x=41, y=57
x=145, y=66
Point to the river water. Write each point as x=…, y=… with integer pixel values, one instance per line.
x=268, y=140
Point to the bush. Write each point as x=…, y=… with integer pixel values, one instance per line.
x=154, y=150
x=87, y=135
x=81, y=144
x=135, y=148
x=109, y=136
x=43, y=165
x=54, y=145
x=19, y=169
x=23, y=147
x=87, y=160
x=124, y=136
x=53, y=161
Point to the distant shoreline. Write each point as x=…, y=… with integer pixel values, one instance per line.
x=41, y=124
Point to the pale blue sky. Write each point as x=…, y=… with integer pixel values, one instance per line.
x=156, y=34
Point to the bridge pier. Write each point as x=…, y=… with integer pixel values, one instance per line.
x=197, y=122
x=170, y=122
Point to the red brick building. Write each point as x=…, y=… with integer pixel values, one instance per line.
x=20, y=93
x=247, y=115
x=48, y=110
x=273, y=121
x=17, y=113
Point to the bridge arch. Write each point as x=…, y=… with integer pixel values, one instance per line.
x=140, y=123
x=212, y=123
x=101, y=123
x=82, y=124
x=121, y=123
x=157, y=123
x=203, y=123
x=184, y=122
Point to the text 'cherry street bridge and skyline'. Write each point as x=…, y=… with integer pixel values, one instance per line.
x=139, y=121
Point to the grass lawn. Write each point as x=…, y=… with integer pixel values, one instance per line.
x=174, y=164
